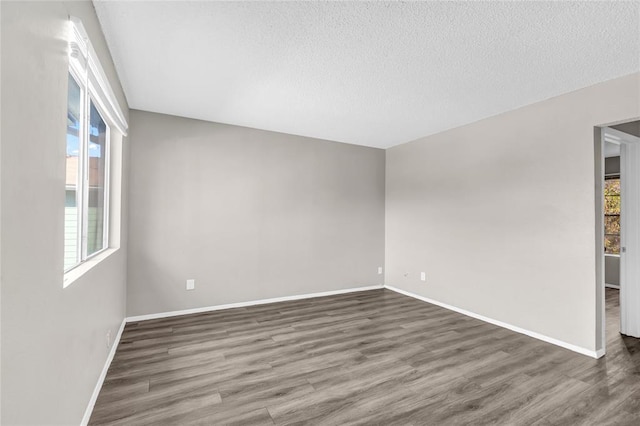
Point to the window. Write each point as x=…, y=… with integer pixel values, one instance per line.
x=92, y=113
x=612, y=215
x=87, y=189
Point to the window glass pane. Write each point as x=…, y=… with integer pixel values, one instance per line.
x=612, y=215
x=71, y=213
x=612, y=187
x=97, y=179
x=612, y=225
x=612, y=196
x=612, y=244
x=612, y=204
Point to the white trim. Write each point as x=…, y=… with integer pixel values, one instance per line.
x=106, y=203
x=617, y=137
x=618, y=122
x=83, y=58
x=575, y=348
x=630, y=236
x=77, y=271
x=599, y=148
x=87, y=73
x=614, y=286
x=103, y=375
x=249, y=303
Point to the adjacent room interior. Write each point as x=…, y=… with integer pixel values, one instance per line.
x=319, y=213
x=619, y=183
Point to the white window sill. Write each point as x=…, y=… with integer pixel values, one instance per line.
x=76, y=273
x=611, y=255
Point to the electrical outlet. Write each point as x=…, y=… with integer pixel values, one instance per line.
x=423, y=276
x=109, y=339
x=379, y=270
x=191, y=284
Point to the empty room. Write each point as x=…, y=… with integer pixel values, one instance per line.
x=319, y=213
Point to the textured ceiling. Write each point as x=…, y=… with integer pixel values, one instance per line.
x=368, y=73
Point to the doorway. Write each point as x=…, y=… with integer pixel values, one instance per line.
x=618, y=235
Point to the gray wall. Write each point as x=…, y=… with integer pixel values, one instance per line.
x=612, y=269
x=483, y=211
x=53, y=339
x=612, y=165
x=248, y=214
x=633, y=128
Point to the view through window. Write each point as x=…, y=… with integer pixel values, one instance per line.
x=612, y=215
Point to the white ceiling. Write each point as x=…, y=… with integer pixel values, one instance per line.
x=368, y=73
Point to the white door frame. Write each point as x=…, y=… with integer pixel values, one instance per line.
x=630, y=232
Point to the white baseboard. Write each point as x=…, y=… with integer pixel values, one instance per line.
x=103, y=375
x=112, y=352
x=615, y=286
x=572, y=347
x=249, y=303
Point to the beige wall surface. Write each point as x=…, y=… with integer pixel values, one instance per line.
x=499, y=232
x=612, y=270
x=53, y=339
x=248, y=214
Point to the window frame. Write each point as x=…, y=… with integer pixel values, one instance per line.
x=80, y=172
x=83, y=179
x=612, y=176
x=85, y=69
x=106, y=229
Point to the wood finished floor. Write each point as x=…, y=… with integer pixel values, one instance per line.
x=373, y=357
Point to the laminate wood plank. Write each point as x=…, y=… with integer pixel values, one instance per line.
x=159, y=414
x=169, y=341
x=130, y=334
x=132, y=406
x=120, y=389
x=214, y=377
x=374, y=357
x=524, y=402
x=140, y=354
x=223, y=344
x=323, y=405
x=162, y=363
x=225, y=416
